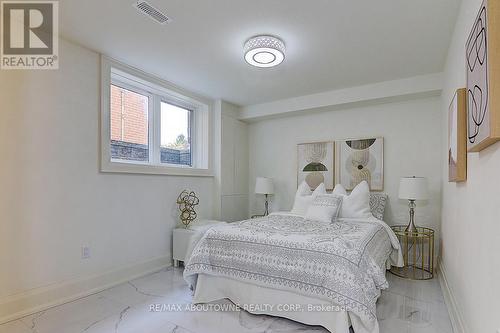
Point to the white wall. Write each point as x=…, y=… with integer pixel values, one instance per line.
x=412, y=146
x=53, y=198
x=471, y=210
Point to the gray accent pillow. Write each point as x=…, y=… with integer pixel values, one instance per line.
x=377, y=204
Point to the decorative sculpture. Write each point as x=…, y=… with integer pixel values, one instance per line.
x=186, y=201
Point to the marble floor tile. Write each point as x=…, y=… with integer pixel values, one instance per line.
x=282, y=325
x=388, y=305
x=406, y=307
x=418, y=304
x=166, y=285
x=132, y=320
x=74, y=316
x=393, y=326
x=426, y=316
x=172, y=328
x=217, y=322
x=15, y=327
x=425, y=290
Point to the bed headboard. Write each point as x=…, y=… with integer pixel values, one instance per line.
x=377, y=204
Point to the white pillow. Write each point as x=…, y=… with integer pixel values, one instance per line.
x=304, y=197
x=303, y=189
x=321, y=189
x=356, y=204
x=324, y=208
x=339, y=190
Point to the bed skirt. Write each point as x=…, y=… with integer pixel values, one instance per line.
x=262, y=300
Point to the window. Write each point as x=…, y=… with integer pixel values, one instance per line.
x=148, y=126
x=129, y=125
x=175, y=144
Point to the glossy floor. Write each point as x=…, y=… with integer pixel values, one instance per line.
x=408, y=306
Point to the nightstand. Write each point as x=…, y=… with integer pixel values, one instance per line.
x=183, y=237
x=418, y=253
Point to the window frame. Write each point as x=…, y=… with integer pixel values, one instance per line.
x=190, y=133
x=150, y=97
x=157, y=91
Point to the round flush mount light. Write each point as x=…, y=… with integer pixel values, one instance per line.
x=264, y=51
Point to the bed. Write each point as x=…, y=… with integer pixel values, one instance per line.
x=317, y=273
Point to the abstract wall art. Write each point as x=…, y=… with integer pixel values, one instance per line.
x=315, y=164
x=361, y=159
x=457, y=138
x=483, y=78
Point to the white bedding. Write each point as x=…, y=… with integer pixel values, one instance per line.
x=341, y=264
x=212, y=288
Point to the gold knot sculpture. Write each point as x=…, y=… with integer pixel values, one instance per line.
x=186, y=201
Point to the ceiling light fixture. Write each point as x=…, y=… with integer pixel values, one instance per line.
x=264, y=51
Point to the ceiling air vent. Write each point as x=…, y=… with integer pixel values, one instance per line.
x=152, y=12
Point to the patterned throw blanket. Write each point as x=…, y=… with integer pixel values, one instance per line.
x=342, y=262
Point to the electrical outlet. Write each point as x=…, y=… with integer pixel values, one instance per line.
x=85, y=252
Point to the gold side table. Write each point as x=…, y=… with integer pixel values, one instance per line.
x=418, y=253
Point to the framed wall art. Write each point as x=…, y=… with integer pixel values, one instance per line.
x=483, y=78
x=457, y=137
x=315, y=164
x=361, y=159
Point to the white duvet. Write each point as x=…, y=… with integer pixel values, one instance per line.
x=342, y=262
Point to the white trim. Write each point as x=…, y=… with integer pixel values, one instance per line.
x=202, y=131
x=126, y=167
x=456, y=318
x=19, y=305
x=154, y=131
x=376, y=93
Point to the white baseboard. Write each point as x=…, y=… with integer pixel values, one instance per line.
x=39, y=299
x=455, y=316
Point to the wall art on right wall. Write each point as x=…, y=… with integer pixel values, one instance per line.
x=483, y=78
x=457, y=138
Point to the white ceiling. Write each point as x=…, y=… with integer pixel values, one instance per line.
x=331, y=44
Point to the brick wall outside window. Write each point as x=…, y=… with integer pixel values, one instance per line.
x=132, y=127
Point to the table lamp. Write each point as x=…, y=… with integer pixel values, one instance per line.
x=411, y=189
x=264, y=185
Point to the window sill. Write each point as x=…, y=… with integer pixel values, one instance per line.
x=117, y=167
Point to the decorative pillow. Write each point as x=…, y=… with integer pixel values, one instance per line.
x=304, y=197
x=377, y=204
x=303, y=189
x=339, y=190
x=324, y=208
x=356, y=204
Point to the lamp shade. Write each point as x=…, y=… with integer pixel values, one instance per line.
x=264, y=185
x=413, y=188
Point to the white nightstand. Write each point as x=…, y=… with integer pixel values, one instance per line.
x=182, y=238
